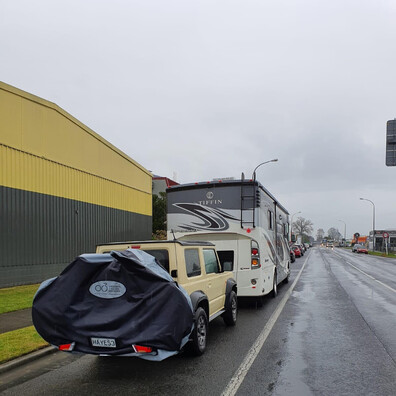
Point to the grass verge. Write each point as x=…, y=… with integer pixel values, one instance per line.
x=390, y=255
x=15, y=298
x=19, y=342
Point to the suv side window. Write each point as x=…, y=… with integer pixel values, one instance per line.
x=193, y=266
x=211, y=264
x=226, y=258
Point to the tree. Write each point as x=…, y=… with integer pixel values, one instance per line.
x=320, y=234
x=303, y=227
x=334, y=234
x=159, y=214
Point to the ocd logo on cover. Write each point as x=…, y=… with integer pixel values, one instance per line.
x=107, y=289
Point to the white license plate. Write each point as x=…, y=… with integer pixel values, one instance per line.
x=103, y=342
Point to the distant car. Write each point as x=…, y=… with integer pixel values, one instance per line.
x=306, y=245
x=330, y=246
x=302, y=249
x=296, y=251
x=359, y=249
x=292, y=255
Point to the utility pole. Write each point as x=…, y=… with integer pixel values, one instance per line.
x=365, y=199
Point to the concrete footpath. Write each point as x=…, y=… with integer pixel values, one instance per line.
x=11, y=321
x=15, y=320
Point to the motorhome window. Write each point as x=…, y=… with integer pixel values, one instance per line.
x=193, y=266
x=286, y=230
x=161, y=255
x=211, y=264
x=226, y=258
x=270, y=220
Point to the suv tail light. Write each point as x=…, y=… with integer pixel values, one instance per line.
x=67, y=347
x=142, y=349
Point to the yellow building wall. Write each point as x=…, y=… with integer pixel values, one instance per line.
x=46, y=150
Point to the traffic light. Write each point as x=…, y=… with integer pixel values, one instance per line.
x=391, y=143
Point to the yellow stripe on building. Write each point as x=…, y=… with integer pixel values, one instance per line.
x=24, y=171
x=44, y=149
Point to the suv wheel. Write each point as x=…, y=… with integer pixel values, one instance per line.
x=230, y=315
x=199, y=335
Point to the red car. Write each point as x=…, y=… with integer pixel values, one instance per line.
x=359, y=249
x=296, y=251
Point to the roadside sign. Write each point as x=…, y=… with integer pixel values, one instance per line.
x=386, y=236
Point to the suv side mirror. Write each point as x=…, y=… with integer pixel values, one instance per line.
x=174, y=273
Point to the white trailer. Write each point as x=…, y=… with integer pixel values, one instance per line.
x=249, y=227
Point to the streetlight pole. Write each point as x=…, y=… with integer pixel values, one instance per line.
x=342, y=221
x=291, y=226
x=365, y=199
x=266, y=162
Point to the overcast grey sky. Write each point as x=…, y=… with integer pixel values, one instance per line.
x=202, y=89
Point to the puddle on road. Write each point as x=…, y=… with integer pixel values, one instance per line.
x=294, y=369
x=304, y=296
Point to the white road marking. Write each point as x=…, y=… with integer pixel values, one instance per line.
x=243, y=369
x=369, y=276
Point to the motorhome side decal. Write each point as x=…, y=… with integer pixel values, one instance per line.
x=271, y=247
x=210, y=218
x=273, y=250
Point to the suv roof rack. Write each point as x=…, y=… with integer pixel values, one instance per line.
x=183, y=243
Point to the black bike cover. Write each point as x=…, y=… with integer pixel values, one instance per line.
x=123, y=296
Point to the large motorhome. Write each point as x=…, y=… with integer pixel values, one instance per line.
x=249, y=227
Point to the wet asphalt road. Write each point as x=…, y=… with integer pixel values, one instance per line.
x=335, y=336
